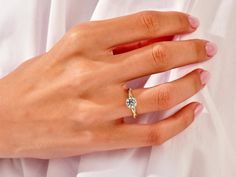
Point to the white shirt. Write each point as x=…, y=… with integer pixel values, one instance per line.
x=206, y=149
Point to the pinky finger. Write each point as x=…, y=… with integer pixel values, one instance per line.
x=136, y=135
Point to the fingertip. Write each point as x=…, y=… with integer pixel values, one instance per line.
x=193, y=21
x=198, y=109
x=204, y=76
x=211, y=49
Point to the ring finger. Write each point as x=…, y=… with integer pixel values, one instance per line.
x=166, y=95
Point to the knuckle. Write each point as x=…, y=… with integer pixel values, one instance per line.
x=83, y=116
x=163, y=97
x=72, y=84
x=149, y=22
x=89, y=136
x=74, y=34
x=74, y=80
x=159, y=56
x=154, y=136
x=79, y=33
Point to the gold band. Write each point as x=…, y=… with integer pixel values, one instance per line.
x=131, y=103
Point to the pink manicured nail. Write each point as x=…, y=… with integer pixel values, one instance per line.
x=198, y=110
x=194, y=22
x=204, y=76
x=211, y=49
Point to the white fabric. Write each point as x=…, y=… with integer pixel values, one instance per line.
x=206, y=149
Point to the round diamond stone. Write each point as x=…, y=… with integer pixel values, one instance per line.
x=131, y=102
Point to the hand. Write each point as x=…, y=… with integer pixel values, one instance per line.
x=71, y=100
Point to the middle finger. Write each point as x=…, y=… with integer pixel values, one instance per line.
x=161, y=57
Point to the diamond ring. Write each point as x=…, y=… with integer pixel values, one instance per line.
x=131, y=103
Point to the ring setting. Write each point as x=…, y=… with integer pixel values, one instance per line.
x=131, y=103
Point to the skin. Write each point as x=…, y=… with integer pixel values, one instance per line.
x=67, y=101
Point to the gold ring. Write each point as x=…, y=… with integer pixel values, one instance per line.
x=131, y=103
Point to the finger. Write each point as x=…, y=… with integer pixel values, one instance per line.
x=166, y=95
x=147, y=25
x=162, y=57
x=140, y=26
x=135, y=135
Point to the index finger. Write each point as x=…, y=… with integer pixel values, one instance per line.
x=143, y=25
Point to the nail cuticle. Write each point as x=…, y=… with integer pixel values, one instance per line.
x=194, y=22
x=211, y=49
x=205, y=77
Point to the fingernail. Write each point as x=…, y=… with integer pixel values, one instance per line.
x=198, y=110
x=194, y=22
x=204, y=76
x=211, y=49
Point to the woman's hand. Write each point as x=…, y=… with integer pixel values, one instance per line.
x=71, y=100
